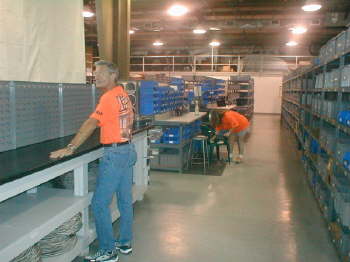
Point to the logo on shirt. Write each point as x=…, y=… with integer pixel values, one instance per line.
x=126, y=117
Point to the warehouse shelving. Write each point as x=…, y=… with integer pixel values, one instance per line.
x=245, y=90
x=312, y=99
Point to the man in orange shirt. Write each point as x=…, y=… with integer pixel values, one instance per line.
x=114, y=115
x=234, y=126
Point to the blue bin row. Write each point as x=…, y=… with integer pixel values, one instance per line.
x=155, y=99
x=177, y=81
x=171, y=135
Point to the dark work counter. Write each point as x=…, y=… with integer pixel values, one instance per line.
x=18, y=163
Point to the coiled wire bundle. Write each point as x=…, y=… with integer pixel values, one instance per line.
x=62, y=239
x=32, y=254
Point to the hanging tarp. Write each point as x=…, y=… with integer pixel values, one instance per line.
x=42, y=41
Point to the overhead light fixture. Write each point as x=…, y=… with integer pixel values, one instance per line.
x=177, y=10
x=292, y=43
x=156, y=30
x=312, y=5
x=214, y=43
x=214, y=29
x=158, y=43
x=199, y=31
x=131, y=32
x=87, y=13
x=298, y=30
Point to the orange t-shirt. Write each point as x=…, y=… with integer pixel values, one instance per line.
x=233, y=120
x=115, y=115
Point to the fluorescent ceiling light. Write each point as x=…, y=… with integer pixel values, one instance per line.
x=88, y=14
x=298, y=30
x=158, y=43
x=292, y=43
x=214, y=43
x=214, y=29
x=177, y=10
x=199, y=31
x=131, y=32
x=312, y=6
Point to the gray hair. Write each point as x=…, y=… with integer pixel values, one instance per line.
x=112, y=68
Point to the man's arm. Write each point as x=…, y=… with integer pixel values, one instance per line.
x=84, y=132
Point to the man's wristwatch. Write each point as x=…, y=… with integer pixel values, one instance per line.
x=71, y=147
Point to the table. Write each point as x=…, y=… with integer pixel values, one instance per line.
x=174, y=162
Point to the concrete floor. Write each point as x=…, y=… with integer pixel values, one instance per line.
x=261, y=210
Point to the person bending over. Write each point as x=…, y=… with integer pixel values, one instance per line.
x=233, y=125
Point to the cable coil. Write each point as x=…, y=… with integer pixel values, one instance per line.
x=32, y=254
x=62, y=239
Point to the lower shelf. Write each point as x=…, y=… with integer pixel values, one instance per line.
x=27, y=218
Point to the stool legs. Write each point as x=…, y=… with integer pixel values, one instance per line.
x=204, y=156
x=189, y=161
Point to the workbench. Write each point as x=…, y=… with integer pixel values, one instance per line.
x=29, y=211
x=174, y=161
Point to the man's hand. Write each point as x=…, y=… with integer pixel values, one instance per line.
x=84, y=132
x=61, y=153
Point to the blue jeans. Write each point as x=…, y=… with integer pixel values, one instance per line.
x=115, y=176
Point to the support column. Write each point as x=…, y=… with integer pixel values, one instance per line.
x=113, y=24
x=121, y=54
x=104, y=18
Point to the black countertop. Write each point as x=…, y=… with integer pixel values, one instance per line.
x=18, y=163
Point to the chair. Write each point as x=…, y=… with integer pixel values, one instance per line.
x=215, y=141
x=203, y=140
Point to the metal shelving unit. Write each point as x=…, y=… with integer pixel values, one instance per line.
x=311, y=101
x=245, y=98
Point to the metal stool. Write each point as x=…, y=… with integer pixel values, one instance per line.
x=205, y=148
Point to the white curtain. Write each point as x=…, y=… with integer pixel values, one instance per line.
x=42, y=41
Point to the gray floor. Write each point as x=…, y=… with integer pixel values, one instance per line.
x=261, y=210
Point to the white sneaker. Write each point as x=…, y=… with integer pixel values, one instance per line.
x=103, y=256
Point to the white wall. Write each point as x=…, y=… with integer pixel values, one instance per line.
x=267, y=94
x=42, y=41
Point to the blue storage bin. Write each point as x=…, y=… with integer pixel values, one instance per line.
x=344, y=117
x=346, y=160
x=314, y=146
x=177, y=81
x=171, y=140
x=146, y=84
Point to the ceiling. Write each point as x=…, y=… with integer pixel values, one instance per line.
x=247, y=26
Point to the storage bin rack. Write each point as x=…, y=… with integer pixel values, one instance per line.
x=172, y=148
x=211, y=90
x=315, y=108
x=156, y=99
x=244, y=86
x=232, y=92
